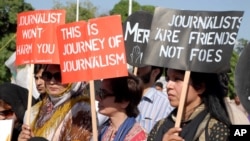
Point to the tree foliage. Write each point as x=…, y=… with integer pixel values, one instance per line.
x=86, y=10
x=233, y=63
x=148, y=8
x=239, y=46
x=8, y=26
x=121, y=8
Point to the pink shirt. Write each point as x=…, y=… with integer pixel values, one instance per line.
x=137, y=133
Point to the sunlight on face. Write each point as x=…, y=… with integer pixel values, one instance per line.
x=108, y=106
x=174, y=87
x=53, y=87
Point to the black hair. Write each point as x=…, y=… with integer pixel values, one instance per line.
x=17, y=97
x=38, y=67
x=37, y=139
x=128, y=88
x=161, y=71
x=159, y=84
x=214, y=94
x=216, y=88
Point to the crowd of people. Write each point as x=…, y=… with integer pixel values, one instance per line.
x=133, y=107
x=129, y=108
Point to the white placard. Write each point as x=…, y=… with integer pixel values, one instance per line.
x=6, y=127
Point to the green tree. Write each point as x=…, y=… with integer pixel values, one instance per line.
x=122, y=8
x=148, y=8
x=233, y=62
x=86, y=10
x=241, y=43
x=8, y=23
x=239, y=46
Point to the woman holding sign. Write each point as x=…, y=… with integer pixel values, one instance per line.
x=204, y=116
x=64, y=114
x=118, y=99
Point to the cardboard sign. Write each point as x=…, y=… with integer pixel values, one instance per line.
x=200, y=41
x=93, y=50
x=242, y=77
x=36, y=36
x=6, y=128
x=136, y=30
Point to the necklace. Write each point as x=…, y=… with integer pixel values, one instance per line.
x=188, y=113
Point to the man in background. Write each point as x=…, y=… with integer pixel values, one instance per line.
x=159, y=86
x=40, y=83
x=154, y=104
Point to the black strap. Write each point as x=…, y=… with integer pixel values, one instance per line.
x=189, y=130
x=206, y=131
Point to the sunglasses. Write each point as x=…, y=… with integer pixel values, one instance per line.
x=102, y=94
x=6, y=113
x=47, y=76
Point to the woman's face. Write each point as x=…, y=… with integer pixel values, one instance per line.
x=53, y=85
x=174, y=88
x=107, y=105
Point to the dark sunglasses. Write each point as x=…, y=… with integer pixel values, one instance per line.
x=102, y=94
x=47, y=76
x=6, y=113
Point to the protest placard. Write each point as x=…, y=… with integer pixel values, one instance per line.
x=6, y=128
x=36, y=41
x=36, y=36
x=136, y=30
x=200, y=41
x=92, y=50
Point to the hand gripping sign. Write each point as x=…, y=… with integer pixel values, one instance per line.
x=200, y=41
x=36, y=41
x=92, y=50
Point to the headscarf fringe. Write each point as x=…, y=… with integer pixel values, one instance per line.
x=57, y=117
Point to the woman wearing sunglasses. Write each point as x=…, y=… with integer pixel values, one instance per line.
x=118, y=99
x=13, y=103
x=64, y=114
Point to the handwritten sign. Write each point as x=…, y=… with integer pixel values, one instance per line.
x=92, y=50
x=200, y=41
x=136, y=30
x=36, y=36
